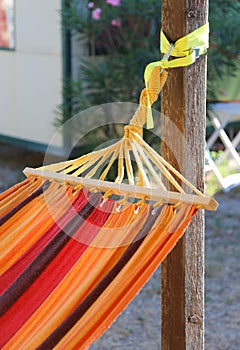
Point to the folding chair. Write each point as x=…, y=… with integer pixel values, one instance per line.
x=221, y=114
x=228, y=182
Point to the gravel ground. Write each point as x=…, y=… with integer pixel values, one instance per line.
x=139, y=325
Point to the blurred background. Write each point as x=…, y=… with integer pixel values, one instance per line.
x=58, y=58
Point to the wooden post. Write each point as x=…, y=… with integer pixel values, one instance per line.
x=184, y=104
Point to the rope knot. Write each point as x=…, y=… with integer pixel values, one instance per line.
x=130, y=129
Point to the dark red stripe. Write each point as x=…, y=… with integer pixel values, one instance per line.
x=74, y=317
x=33, y=297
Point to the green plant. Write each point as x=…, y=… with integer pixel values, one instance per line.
x=122, y=36
x=224, y=19
x=120, y=41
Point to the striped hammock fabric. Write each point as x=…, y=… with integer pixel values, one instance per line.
x=71, y=262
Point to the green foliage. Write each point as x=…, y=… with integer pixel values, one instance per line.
x=138, y=21
x=117, y=52
x=224, y=19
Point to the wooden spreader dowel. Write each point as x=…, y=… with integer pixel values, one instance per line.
x=122, y=189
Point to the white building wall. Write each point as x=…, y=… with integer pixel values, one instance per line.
x=31, y=75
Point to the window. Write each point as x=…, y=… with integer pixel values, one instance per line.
x=7, y=24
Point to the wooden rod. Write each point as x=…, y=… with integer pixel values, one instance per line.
x=154, y=194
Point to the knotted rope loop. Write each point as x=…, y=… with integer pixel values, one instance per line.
x=185, y=51
x=150, y=94
x=129, y=131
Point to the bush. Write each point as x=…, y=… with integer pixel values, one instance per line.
x=122, y=36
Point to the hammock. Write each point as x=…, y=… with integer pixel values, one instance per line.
x=75, y=250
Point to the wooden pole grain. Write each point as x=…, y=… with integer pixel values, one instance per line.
x=183, y=135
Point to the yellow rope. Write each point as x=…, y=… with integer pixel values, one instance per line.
x=156, y=83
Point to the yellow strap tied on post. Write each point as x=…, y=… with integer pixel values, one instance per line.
x=185, y=52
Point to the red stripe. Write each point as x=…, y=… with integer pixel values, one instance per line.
x=34, y=296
